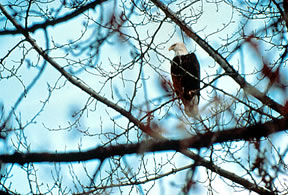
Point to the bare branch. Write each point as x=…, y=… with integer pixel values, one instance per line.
x=219, y=137
x=205, y=140
x=77, y=82
x=197, y=141
x=221, y=61
x=59, y=20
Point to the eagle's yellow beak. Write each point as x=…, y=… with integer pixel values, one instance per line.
x=171, y=47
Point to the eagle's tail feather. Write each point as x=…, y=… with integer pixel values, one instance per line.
x=191, y=107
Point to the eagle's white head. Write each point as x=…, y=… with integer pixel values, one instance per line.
x=179, y=49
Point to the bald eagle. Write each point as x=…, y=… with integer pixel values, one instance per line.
x=185, y=73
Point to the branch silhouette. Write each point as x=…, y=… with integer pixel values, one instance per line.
x=58, y=20
x=77, y=82
x=198, y=141
x=247, y=87
x=161, y=144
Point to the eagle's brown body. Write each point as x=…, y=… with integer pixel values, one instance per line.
x=185, y=85
x=185, y=73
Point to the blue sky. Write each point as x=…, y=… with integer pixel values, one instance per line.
x=66, y=99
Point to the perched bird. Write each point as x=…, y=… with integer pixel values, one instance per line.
x=185, y=73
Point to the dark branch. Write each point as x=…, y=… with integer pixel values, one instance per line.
x=59, y=20
x=205, y=140
x=227, y=174
x=77, y=82
x=199, y=141
x=221, y=61
x=101, y=153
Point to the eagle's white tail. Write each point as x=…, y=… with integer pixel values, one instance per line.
x=191, y=107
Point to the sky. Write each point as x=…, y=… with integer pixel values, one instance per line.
x=65, y=101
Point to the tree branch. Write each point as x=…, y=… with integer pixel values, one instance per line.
x=247, y=87
x=59, y=20
x=204, y=140
x=201, y=162
x=227, y=174
x=101, y=153
x=197, y=141
x=75, y=81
